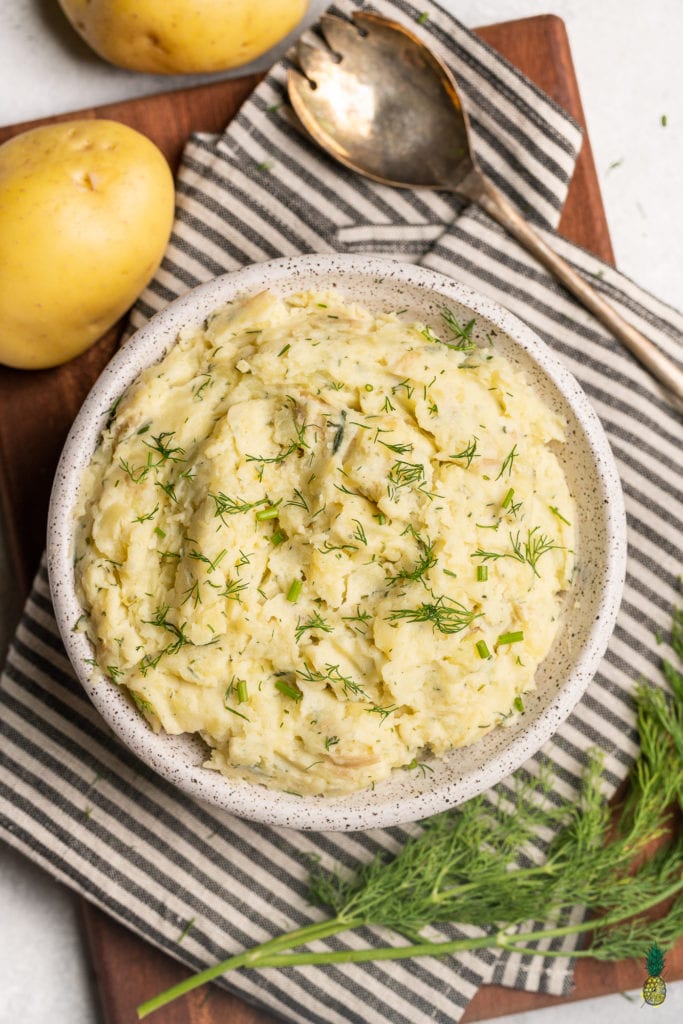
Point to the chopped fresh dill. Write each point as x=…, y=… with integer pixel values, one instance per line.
x=334, y=675
x=361, y=617
x=150, y=515
x=445, y=615
x=228, y=506
x=463, y=335
x=359, y=533
x=398, y=449
x=404, y=474
x=233, y=589
x=315, y=622
x=163, y=448
x=426, y=560
x=469, y=452
x=508, y=462
x=298, y=501
x=529, y=550
x=382, y=712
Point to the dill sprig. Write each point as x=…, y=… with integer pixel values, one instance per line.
x=464, y=341
x=445, y=615
x=334, y=675
x=528, y=550
x=225, y=505
x=161, y=444
x=479, y=865
x=426, y=560
x=469, y=452
x=316, y=621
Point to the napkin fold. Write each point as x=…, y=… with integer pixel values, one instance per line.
x=170, y=867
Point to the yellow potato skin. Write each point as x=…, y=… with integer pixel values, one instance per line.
x=86, y=210
x=182, y=36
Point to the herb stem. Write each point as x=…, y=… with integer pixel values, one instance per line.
x=274, y=952
x=249, y=958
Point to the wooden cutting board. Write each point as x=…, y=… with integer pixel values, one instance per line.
x=36, y=410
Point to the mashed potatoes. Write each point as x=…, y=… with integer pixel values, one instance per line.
x=329, y=542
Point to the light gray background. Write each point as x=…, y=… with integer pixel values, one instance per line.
x=629, y=64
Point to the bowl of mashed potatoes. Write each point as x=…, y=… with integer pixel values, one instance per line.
x=335, y=543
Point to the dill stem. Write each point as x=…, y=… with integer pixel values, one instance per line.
x=254, y=957
x=274, y=953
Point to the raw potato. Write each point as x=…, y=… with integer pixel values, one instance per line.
x=182, y=36
x=86, y=210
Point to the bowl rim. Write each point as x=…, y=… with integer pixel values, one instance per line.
x=253, y=801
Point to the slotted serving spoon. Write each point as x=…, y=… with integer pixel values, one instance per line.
x=384, y=105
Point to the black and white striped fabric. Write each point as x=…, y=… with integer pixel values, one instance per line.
x=193, y=880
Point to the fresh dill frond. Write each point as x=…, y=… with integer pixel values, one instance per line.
x=464, y=341
x=426, y=561
x=445, y=615
x=316, y=621
x=468, y=453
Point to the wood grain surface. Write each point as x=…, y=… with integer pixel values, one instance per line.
x=37, y=408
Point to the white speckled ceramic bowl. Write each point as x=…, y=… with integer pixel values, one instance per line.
x=590, y=609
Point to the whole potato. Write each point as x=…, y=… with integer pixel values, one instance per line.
x=86, y=209
x=182, y=36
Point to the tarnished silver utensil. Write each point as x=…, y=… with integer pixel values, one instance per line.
x=382, y=103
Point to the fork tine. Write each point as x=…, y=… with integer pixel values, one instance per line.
x=313, y=59
x=340, y=35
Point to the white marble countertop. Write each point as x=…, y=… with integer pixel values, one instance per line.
x=630, y=71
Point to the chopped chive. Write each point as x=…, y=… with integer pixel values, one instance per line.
x=483, y=650
x=278, y=537
x=510, y=638
x=242, y=695
x=519, y=704
x=267, y=513
x=186, y=930
x=482, y=573
x=369, y=387
x=559, y=515
x=447, y=572
x=159, y=532
x=381, y=519
x=285, y=348
x=423, y=18
x=294, y=591
x=507, y=500
x=288, y=690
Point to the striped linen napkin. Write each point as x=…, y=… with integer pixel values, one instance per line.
x=90, y=813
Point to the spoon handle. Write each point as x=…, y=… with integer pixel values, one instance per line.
x=663, y=368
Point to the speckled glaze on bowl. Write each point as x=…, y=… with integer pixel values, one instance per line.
x=590, y=609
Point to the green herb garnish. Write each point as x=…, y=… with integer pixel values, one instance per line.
x=445, y=615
